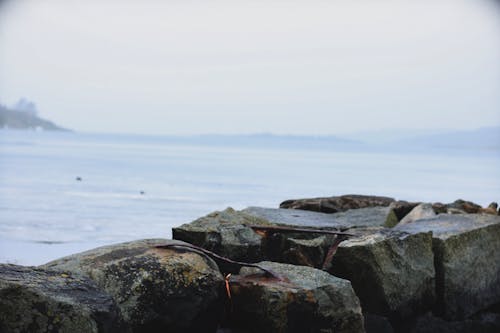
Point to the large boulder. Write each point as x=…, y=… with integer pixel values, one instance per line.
x=337, y=203
x=304, y=300
x=230, y=233
x=38, y=300
x=157, y=290
x=467, y=259
x=227, y=233
x=392, y=272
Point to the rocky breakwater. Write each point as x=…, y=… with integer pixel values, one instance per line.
x=376, y=265
x=433, y=263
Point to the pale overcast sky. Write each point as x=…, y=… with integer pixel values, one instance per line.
x=285, y=67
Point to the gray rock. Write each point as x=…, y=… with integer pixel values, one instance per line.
x=421, y=211
x=464, y=207
x=484, y=323
x=377, y=324
x=157, y=290
x=38, y=300
x=337, y=204
x=306, y=300
x=402, y=208
x=228, y=233
x=354, y=218
x=467, y=258
x=392, y=272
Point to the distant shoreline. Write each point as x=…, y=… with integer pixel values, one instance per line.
x=21, y=120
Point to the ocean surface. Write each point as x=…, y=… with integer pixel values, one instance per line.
x=136, y=187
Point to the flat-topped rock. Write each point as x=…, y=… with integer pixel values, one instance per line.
x=39, y=300
x=337, y=204
x=306, y=300
x=392, y=272
x=354, y=218
x=157, y=290
x=467, y=257
x=229, y=233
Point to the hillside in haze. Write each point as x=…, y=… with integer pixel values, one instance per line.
x=22, y=119
x=485, y=138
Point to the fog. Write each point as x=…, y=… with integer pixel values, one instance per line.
x=284, y=67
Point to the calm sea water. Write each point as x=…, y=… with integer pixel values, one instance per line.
x=46, y=213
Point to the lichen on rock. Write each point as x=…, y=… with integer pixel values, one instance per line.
x=156, y=289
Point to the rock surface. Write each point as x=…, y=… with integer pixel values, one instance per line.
x=38, y=300
x=391, y=272
x=337, y=203
x=467, y=259
x=307, y=300
x=484, y=323
x=157, y=290
x=228, y=233
x=354, y=218
x=421, y=211
x=401, y=208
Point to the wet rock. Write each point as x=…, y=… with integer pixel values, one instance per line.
x=307, y=300
x=392, y=272
x=467, y=259
x=337, y=203
x=421, y=211
x=157, y=290
x=39, y=300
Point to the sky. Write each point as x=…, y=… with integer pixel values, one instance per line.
x=181, y=67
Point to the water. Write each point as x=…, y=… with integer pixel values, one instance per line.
x=46, y=213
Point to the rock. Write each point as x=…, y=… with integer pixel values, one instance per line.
x=484, y=323
x=440, y=208
x=308, y=300
x=467, y=206
x=354, y=218
x=402, y=208
x=157, y=290
x=422, y=211
x=467, y=259
x=39, y=300
x=337, y=204
x=228, y=233
x=464, y=207
x=392, y=272
x=377, y=324
x=491, y=209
